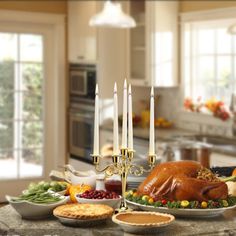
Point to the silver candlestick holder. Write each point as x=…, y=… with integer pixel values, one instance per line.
x=122, y=165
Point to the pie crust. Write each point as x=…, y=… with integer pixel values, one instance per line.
x=83, y=211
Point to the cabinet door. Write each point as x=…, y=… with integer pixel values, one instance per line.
x=81, y=36
x=137, y=45
x=162, y=54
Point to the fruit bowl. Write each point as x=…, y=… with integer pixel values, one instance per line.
x=90, y=198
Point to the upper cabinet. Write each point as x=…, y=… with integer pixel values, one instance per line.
x=82, y=39
x=153, y=44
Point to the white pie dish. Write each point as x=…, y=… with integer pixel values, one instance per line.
x=114, y=203
x=143, y=228
x=29, y=210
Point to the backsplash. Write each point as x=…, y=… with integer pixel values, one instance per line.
x=167, y=105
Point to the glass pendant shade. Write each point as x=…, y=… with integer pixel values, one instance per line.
x=112, y=16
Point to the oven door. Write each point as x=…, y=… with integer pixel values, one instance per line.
x=78, y=83
x=81, y=134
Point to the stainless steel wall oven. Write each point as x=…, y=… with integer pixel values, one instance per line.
x=81, y=131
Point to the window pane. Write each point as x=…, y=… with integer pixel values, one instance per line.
x=224, y=78
x=32, y=133
x=6, y=135
x=223, y=41
x=8, y=47
x=205, y=68
x=32, y=77
x=7, y=74
x=31, y=47
x=8, y=165
x=6, y=105
x=32, y=106
x=206, y=41
x=224, y=72
x=31, y=163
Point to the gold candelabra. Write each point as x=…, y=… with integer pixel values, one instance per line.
x=122, y=165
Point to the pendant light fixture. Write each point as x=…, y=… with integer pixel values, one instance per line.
x=112, y=16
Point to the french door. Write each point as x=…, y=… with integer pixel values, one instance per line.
x=26, y=105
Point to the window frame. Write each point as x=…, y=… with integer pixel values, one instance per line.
x=186, y=117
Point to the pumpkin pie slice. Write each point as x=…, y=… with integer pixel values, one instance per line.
x=83, y=211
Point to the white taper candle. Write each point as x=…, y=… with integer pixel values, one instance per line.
x=96, y=124
x=124, y=127
x=130, y=121
x=152, y=129
x=116, y=150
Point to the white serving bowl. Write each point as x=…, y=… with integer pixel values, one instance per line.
x=114, y=203
x=87, y=180
x=29, y=210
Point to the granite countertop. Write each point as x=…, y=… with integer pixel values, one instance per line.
x=12, y=224
x=173, y=134
x=163, y=134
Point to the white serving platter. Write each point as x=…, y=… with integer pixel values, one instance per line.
x=182, y=212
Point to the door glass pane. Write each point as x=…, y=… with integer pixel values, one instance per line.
x=32, y=134
x=32, y=106
x=8, y=47
x=7, y=73
x=8, y=165
x=6, y=135
x=31, y=47
x=6, y=105
x=31, y=163
x=32, y=77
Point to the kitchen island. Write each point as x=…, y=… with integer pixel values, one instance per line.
x=12, y=224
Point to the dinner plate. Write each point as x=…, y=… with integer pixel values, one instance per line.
x=182, y=212
x=80, y=223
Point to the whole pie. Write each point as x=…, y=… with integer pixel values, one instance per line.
x=83, y=211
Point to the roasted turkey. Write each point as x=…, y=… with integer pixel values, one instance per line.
x=183, y=180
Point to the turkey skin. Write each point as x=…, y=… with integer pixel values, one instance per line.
x=180, y=180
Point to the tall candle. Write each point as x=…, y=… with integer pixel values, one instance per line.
x=152, y=129
x=130, y=121
x=96, y=124
x=116, y=150
x=124, y=125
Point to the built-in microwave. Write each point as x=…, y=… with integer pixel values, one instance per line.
x=83, y=80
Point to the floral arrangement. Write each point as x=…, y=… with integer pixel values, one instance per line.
x=216, y=107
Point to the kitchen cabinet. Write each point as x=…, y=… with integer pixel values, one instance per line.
x=152, y=44
x=82, y=39
x=105, y=47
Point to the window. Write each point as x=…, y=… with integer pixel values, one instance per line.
x=209, y=60
x=21, y=105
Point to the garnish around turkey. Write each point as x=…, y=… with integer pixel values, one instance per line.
x=149, y=201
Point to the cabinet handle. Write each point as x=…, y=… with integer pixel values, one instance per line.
x=80, y=57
